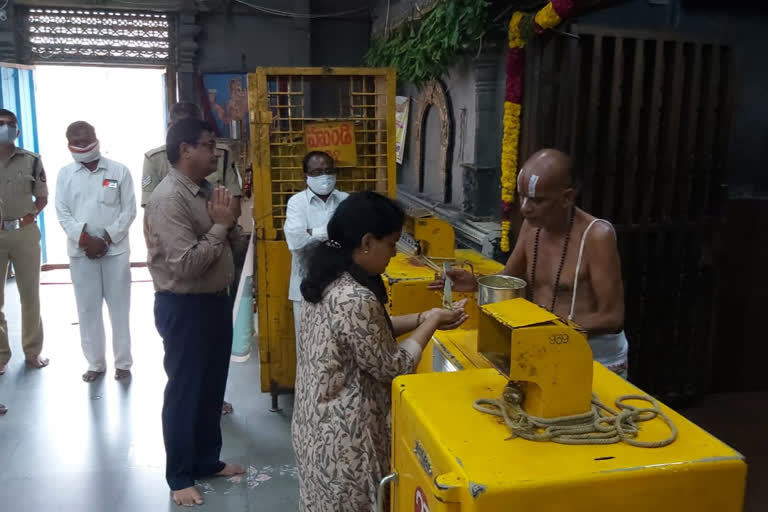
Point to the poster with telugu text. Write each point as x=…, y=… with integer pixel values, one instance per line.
x=335, y=138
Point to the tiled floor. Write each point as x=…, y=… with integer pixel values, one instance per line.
x=70, y=446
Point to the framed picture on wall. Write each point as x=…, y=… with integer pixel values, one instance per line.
x=225, y=97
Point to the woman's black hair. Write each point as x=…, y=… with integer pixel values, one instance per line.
x=359, y=214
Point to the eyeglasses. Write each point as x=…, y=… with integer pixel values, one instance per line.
x=322, y=172
x=211, y=144
x=12, y=124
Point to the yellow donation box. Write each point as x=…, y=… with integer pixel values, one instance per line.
x=453, y=458
x=449, y=457
x=426, y=245
x=549, y=359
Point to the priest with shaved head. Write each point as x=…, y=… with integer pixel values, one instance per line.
x=569, y=258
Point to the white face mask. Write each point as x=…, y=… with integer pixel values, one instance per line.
x=321, y=185
x=87, y=154
x=8, y=134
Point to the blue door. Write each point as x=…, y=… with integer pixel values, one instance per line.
x=17, y=94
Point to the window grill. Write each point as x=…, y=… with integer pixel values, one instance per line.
x=96, y=36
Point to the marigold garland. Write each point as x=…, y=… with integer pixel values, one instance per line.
x=515, y=39
x=547, y=17
x=520, y=26
x=509, y=144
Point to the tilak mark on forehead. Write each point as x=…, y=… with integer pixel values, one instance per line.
x=532, y=185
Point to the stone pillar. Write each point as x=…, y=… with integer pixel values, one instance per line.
x=8, y=48
x=186, y=54
x=481, y=181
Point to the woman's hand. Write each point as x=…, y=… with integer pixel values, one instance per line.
x=445, y=319
x=461, y=281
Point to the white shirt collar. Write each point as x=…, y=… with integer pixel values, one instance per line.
x=101, y=167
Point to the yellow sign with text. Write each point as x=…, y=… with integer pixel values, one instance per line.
x=336, y=139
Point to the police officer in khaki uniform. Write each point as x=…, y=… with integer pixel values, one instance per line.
x=156, y=168
x=23, y=195
x=156, y=161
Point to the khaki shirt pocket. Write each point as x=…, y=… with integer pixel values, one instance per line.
x=23, y=184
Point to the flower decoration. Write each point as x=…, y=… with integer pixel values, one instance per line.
x=521, y=26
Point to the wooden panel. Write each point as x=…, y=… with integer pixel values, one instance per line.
x=531, y=103
x=547, y=89
x=576, y=78
x=566, y=78
x=710, y=105
x=590, y=150
x=692, y=278
x=615, y=106
x=654, y=129
x=635, y=85
x=643, y=355
x=647, y=126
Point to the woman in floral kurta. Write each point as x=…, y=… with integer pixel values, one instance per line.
x=347, y=358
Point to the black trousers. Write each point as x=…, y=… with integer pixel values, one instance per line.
x=197, y=337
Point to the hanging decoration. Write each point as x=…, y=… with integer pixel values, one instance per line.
x=522, y=26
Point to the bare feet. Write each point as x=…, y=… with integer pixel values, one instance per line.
x=226, y=408
x=188, y=497
x=3, y=409
x=122, y=374
x=3, y=368
x=91, y=376
x=231, y=470
x=38, y=362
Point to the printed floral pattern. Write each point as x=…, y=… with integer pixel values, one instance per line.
x=347, y=358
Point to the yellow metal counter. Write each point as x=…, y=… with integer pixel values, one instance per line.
x=406, y=279
x=449, y=457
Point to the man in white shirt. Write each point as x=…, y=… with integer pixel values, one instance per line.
x=307, y=215
x=95, y=204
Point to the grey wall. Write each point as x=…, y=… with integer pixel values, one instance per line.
x=340, y=41
x=475, y=91
x=745, y=32
x=245, y=39
x=399, y=10
x=459, y=90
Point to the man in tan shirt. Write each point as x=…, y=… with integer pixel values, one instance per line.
x=23, y=195
x=156, y=168
x=189, y=228
x=156, y=160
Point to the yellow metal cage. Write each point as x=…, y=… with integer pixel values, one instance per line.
x=283, y=102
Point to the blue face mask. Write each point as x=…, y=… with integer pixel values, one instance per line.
x=8, y=134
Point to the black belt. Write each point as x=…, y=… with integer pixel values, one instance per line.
x=220, y=293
